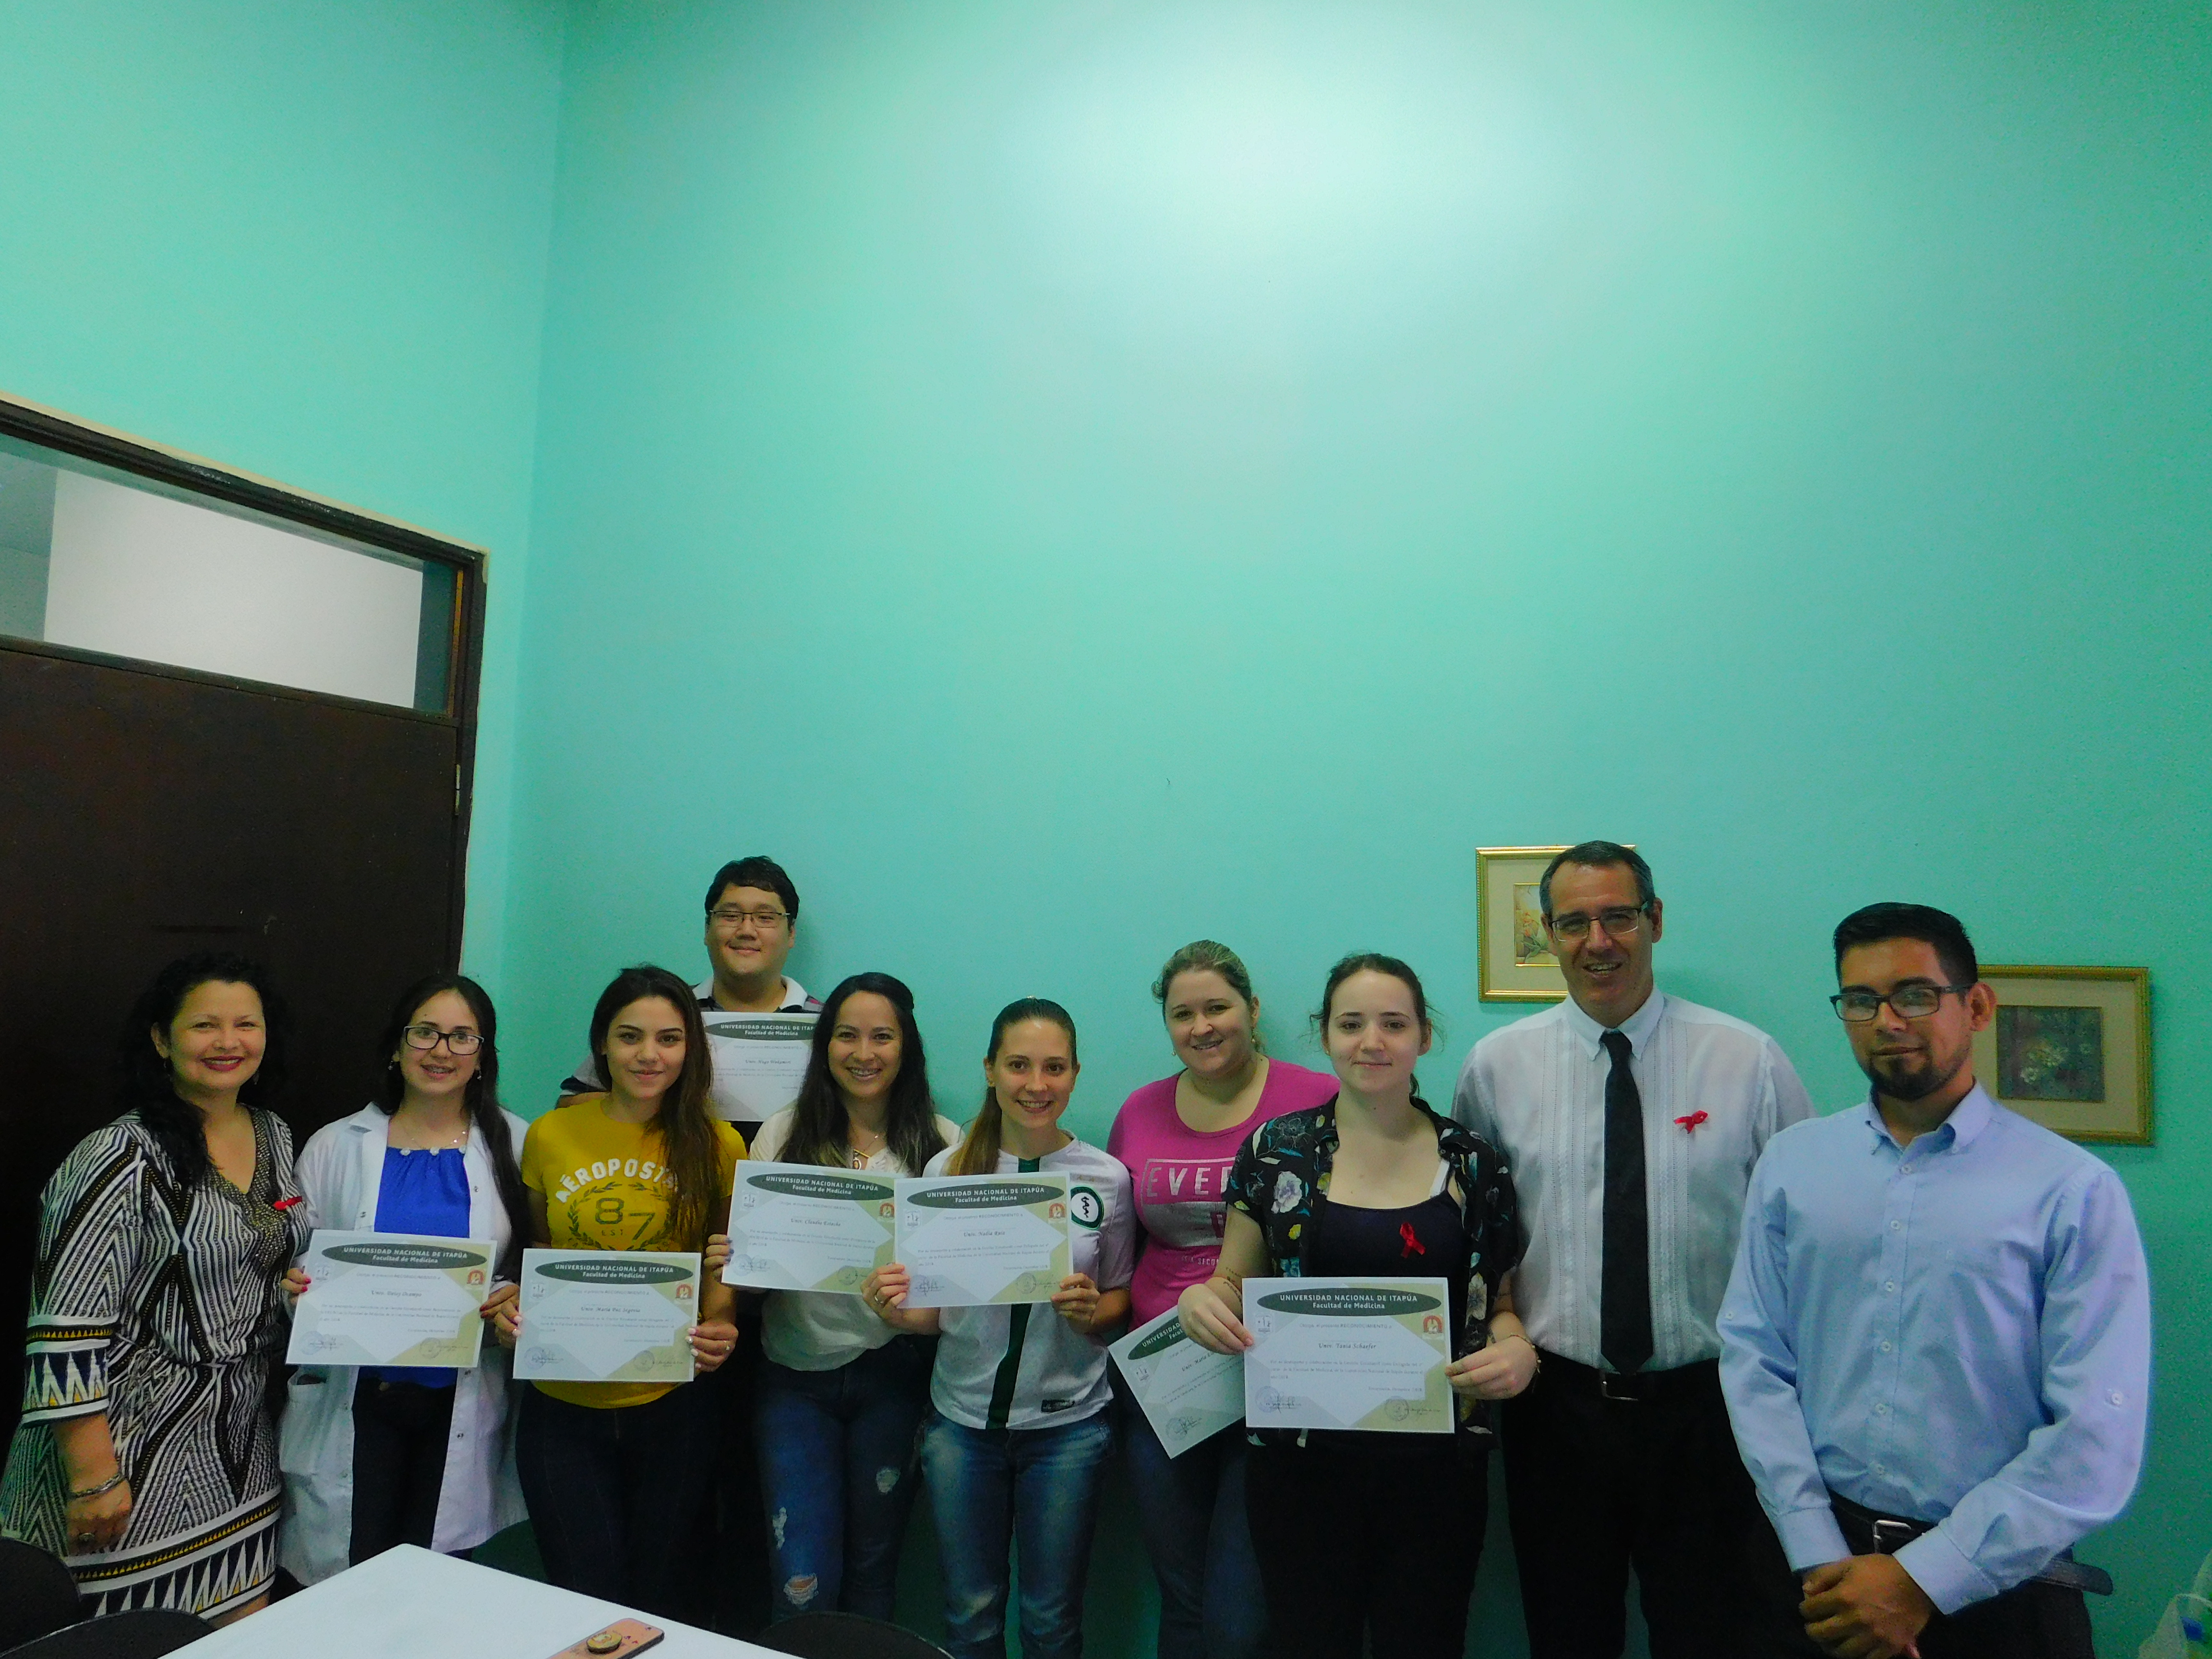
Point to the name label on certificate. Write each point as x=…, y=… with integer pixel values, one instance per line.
x=1348, y=1353
x=391, y=1299
x=1188, y=1392
x=970, y=1240
x=806, y=1227
x=760, y=1061
x=607, y=1315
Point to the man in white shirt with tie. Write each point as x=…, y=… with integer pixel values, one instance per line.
x=1631, y=1121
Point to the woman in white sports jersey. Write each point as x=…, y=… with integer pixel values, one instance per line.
x=1018, y=1434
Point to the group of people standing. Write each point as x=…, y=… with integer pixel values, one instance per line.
x=1851, y=1385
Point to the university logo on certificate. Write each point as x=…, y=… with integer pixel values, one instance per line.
x=969, y=1241
x=760, y=1061
x=607, y=1315
x=1188, y=1393
x=805, y=1227
x=391, y=1299
x=1348, y=1353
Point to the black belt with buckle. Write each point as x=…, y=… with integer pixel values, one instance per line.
x=1634, y=1388
x=1886, y=1535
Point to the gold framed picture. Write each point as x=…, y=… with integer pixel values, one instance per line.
x=2070, y=1047
x=1516, y=959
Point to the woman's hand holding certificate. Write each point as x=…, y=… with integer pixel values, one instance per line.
x=1348, y=1353
x=800, y=1227
x=607, y=1316
x=369, y=1298
x=968, y=1240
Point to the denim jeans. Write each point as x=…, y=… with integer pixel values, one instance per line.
x=837, y=1455
x=615, y=1492
x=1191, y=1510
x=1036, y=1488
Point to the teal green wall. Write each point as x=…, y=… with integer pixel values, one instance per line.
x=1069, y=479
x=306, y=238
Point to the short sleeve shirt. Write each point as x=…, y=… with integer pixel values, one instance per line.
x=606, y=1189
x=1024, y=1367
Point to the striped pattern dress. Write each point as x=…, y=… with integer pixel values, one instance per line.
x=159, y=1306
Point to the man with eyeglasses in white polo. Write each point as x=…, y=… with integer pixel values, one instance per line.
x=1937, y=1343
x=760, y=1022
x=1631, y=1121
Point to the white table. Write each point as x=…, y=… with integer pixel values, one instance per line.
x=410, y=1604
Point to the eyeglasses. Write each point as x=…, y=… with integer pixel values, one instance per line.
x=1621, y=921
x=427, y=1037
x=1910, y=1002
x=732, y=919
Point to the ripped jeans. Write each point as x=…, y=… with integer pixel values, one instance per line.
x=837, y=1452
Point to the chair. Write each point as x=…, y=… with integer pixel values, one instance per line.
x=147, y=1634
x=842, y=1635
x=37, y=1594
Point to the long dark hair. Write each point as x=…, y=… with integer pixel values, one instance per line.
x=150, y=1088
x=1374, y=962
x=482, y=1094
x=687, y=1133
x=819, y=1130
x=979, y=1147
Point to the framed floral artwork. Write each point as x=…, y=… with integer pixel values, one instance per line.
x=2070, y=1047
x=1517, y=961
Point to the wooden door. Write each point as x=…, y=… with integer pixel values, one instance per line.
x=147, y=812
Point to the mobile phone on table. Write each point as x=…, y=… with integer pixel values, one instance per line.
x=624, y=1636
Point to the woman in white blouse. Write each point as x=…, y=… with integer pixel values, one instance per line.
x=842, y=1393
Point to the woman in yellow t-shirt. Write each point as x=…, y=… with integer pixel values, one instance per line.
x=616, y=1475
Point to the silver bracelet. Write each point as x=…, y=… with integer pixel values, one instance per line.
x=103, y=1487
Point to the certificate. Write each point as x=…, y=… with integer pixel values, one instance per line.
x=607, y=1315
x=1348, y=1353
x=966, y=1241
x=1189, y=1394
x=391, y=1299
x=803, y=1227
x=760, y=1061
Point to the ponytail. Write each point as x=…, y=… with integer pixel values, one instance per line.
x=979, y=1147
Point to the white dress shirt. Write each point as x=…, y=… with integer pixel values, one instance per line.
x=1715, y=1091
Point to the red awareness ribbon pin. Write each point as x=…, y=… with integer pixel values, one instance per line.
x=1691, y=1123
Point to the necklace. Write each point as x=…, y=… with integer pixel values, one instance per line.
x=857, y=1155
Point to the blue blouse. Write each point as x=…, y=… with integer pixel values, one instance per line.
x=422, y=1192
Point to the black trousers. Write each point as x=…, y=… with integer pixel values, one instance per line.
x=1356, y=1541
x=1594, y=1485
x=399, y=1436
x=2033, y=1621
x=618, y=1495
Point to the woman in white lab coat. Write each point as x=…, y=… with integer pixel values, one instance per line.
x=374, y=1457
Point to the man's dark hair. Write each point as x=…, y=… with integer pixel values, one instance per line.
x=758, y=871
x=1597, y=855
x=1939, y=929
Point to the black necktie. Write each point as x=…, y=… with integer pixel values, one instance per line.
x=1625, y=1296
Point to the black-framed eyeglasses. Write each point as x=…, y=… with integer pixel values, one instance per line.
x=1620, y=921
x=427, y=1037
x=733, y=918
x=1911, y=1001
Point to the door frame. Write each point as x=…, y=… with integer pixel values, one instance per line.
x=469, y=564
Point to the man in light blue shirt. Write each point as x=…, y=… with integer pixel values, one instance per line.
x=1935, y=1345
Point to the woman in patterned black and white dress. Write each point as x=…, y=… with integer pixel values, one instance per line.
x=146, y=1459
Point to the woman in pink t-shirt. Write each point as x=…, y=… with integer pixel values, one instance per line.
x=1179, y=1137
